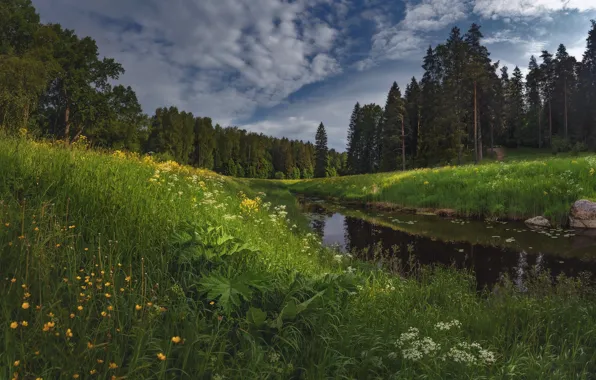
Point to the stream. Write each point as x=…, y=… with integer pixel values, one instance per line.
x=490, y=249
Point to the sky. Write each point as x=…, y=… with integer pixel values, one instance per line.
x=280, y=67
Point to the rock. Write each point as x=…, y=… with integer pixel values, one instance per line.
x=583, y=214
x=538, y=221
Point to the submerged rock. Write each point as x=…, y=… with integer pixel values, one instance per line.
x=583, y=214
x=538, y=221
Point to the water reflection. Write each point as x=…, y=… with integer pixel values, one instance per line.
x=488, y=262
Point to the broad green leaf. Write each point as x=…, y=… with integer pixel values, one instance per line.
x=256, y=316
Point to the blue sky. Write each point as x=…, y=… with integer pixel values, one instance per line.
x=281, y=67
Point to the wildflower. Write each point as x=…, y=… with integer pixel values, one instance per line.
x=51, y=315
x=99, y=361
x=85, y=249
x=426, y=182
x=89, y=345
x=69, y=333
x=592, y=171
x=75, y=376
x=80, y=307
x=107, y=284
x=26, y=295
x=16, y=363
x=36, y=352
x=212, y=303
x=14, y=325
x=71, y=315
x=161, y=356
x=176, y=339
x=127, y=279
x=138, y=307
x=113, y=365
x=58, y=245
x=24, y=323
x=545, y=193
x=13, y=280
x=108, y=295
x=149, y=304
x=104, y=314
x=25, y=305
x=7, y=224
x=93, y=372
x=110, y=308
x=121, y=289
x=48, y=326
x=21, y=237
x=36, y=229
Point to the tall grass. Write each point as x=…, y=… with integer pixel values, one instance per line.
x=114, y=266
x=519, y=189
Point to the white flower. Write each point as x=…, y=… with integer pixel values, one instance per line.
x=338, y=258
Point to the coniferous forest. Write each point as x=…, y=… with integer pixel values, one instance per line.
x=54, y=84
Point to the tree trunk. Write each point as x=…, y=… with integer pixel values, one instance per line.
x=539, y=128
x=67, y=124
x=76, y=137
x=550, y=124
x=475, y=128
x=480, y=153
x=565, y=96
x=403, y=145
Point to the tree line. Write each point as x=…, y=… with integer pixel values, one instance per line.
x=55, y=85
x=465, y=105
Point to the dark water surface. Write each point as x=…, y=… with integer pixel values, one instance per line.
x=489, y=248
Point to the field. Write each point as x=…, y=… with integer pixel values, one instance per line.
x=526, y=184
x=113, y=266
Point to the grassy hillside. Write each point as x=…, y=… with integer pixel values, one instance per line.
x=516, y=189
x=115, y=266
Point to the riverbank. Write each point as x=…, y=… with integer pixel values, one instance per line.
x=115, y=265
x=516, y=190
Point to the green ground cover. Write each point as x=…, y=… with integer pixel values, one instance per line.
x=114, y=266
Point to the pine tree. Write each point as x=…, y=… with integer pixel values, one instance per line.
x=547, y=85
x=533, y=98
x=516, y=106
x=354, y=137
x=321, y=157
x=586, y=94
x=413, y=109
x=564, y=77
x=372, y=115
x=391, y=136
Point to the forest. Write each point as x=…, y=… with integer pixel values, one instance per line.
x=55, y=85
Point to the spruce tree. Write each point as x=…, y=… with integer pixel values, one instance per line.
x=321, y=157
x=354, y=136
x=547, y=80
x=586, y=94
x=391, y=139
x=534, y=99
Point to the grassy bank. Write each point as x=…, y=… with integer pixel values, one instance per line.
x=515, y=190
x=115, y=266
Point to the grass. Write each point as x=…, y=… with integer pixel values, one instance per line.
x=516, y=189
x=113, y=266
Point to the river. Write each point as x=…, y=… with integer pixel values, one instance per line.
x=489, y=248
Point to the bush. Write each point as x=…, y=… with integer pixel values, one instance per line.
x=280, y=175
x=578, y=147
x=559, y=145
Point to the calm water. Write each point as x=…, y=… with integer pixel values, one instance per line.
x=489, y=248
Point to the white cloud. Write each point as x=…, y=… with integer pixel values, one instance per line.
x=528, y=8
x=221, y=58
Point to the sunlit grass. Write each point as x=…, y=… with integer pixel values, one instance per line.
x=115, y=266
x=509, y=190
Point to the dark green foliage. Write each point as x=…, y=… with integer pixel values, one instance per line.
x=321, y=152
x=390, y=130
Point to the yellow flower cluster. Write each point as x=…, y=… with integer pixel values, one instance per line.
x=249, y=206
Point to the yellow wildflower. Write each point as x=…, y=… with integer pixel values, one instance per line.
x=58, y=245
x=149, y=304
x=110, y=308
x=127, y=279
x=108, y=295
x=13, y=280
x=26, y=295
x=71, y=315
x=16, y=363
x=24, y=323
x=176, y=339
x=51, y=315
x=25, y=305
x=107, y=284
x=212, y=303
x=75, y=376
x=104, y=314
x=99, y=361
x=36, y=229
x=138, y=307
x=89, y=345
x=93, y=372
x=113, y=365
x=545, y=193
x=69, y=333
x=80, y=307
x=14, y=325
x=121, y=289
x=161, y=356
x=426, y=182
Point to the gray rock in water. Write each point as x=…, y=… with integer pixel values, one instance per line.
x=538, y=221
x=583, y=214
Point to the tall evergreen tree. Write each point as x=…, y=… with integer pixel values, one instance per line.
x=321, y=151
x=391, y=136
x=354, y=140
x=534, y=98
x=586, y=94
x=413, y=110
x=547, y=85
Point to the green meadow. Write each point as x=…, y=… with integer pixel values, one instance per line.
x=524, y=186
x=113, y=266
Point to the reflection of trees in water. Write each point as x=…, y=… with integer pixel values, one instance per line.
x=366, y=241
x=318, y=225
